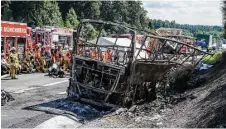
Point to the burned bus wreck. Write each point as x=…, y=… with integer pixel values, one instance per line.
x=117, y=71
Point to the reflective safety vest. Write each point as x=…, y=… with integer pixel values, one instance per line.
x=14, y=59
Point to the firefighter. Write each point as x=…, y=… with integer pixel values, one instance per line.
x=88, y=52
x=59, y=55
x=52, y=52
x=37, y=56
x=4, y=65
x=14, y=62
x=94, y=55
x=26, y=65
x=28, y=54
x=43, y=59
x=67, y=60
x=108, y=56
x=100, y=55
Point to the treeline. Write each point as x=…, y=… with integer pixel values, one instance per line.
x=68, y=13
x=191, y=30
x=224, y=16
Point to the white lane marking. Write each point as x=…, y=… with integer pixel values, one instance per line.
x=56, y=83
x=59, y=122
x=32, y=88
x=23, y=90
x=62, y=93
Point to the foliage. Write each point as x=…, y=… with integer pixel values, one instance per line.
x=68, y=13
x=39, y=13
x=51, y=14
x=90, y=32
x=190, y=30
x=94, y=9
x=71, y=19
x=7, y=14
x=224, y=16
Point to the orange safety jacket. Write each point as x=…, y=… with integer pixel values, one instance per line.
x=68, y=57
x=94, y=55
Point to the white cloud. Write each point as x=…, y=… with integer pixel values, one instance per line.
x=202, y=12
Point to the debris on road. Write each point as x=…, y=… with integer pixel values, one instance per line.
x=200, y=104
x=81, y=111
x=6, y=97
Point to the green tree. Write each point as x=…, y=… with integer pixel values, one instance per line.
x=106, y=11
x=51, y=14
x=39, y=13
x=224, y=16
x=94, y=9
x=5, y=5
x=71, y=19
x=7, y=14
x=90, y=32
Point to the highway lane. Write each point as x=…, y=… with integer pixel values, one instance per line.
x=28, y=90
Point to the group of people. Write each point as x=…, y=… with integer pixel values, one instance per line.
x=96, y=54
x=38, y=59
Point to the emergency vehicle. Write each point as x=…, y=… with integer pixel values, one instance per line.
x=14, y=34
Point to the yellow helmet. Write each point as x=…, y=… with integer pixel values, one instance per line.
x=13, y=49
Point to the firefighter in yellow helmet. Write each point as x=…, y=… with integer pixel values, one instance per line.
x=13, y=62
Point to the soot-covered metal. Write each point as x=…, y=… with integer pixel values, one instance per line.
x=130, y=75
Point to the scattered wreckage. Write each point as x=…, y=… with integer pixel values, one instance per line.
x=132, y=74
x=6, y=97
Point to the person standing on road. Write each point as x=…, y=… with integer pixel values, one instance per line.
x=14, y=62
x=59, y=55
x=67, y=60
x=43, y=58
x=37, y=56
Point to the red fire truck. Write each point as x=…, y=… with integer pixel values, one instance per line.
x=14, y=34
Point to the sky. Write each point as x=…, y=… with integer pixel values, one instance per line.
x=194, y=12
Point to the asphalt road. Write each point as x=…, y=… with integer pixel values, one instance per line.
x=29, y=90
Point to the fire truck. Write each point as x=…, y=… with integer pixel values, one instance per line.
x=14, y=34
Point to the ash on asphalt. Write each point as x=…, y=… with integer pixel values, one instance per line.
x=83, y=112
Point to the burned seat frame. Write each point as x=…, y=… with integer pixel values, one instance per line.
x=112, y=84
